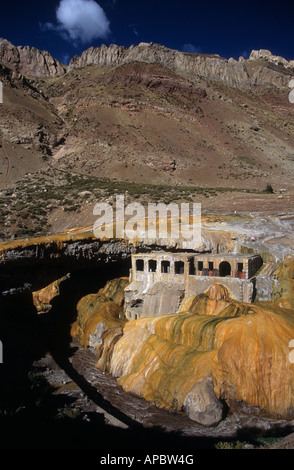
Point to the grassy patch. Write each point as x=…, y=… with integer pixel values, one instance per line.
x=246, y=160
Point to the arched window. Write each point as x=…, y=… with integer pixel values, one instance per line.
x=225, y=269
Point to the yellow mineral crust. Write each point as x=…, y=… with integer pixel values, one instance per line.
x=241, y=349
x=99, y=312
x=244, y=348
x=43, y=297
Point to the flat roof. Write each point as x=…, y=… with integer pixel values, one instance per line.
x=206, y=255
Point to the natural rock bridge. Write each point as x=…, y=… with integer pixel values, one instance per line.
x=32, y=264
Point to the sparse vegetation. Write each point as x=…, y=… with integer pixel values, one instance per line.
x=247, y=160
x=25, y=209
x=230, y=445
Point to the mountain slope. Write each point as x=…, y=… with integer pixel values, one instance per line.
x=144, y=115
x=141, y=121
x=30, y=127
x=151, y=112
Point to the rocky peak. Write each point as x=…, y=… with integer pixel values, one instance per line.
x=29, y=61
x=267, y=55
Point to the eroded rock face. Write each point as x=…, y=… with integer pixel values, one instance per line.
x=29, y=61
x=265, y=54
x=214, y=67
x=32, y=62
x=205, y=65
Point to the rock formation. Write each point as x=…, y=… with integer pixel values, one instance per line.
x=267, y=55
x=42, y=298
x=29, y=61
x=214, y=353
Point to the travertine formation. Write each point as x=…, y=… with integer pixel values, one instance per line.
x=100, y=312
x=214, y=354
x=43, y=297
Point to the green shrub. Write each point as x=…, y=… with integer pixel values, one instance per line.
x=269, y=189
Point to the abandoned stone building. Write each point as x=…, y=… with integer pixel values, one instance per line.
x=159, y=281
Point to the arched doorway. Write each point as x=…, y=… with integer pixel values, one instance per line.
x=224, y=269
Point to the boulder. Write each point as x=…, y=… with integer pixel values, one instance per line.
x=201, y=404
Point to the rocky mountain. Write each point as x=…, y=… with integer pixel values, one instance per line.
x=142, y=115
x=262, y=68
x=29, y=61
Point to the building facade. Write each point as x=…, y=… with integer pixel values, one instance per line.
x=159, y=281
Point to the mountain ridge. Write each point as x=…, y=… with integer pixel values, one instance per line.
x=268, y=69
x=210, y=66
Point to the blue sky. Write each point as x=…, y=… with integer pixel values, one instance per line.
x=229, y=28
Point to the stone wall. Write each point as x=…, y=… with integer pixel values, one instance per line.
x=264, y=288
x=240, y=289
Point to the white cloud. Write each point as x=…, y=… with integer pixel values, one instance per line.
x=65, y=59
x=191, y=48
x=245, y=54
x=80, y=21
x=134, y=29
